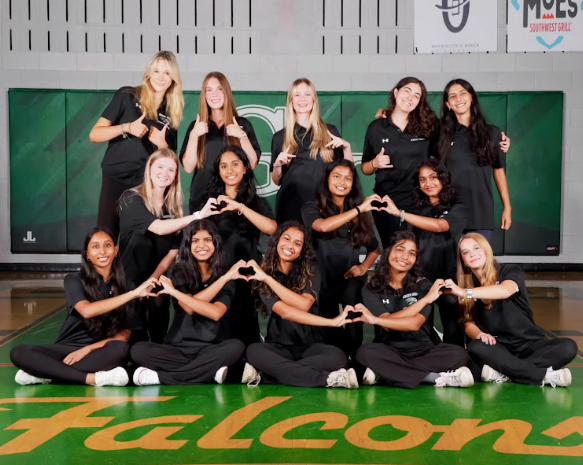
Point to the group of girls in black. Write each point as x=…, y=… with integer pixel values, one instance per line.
x=434, y=217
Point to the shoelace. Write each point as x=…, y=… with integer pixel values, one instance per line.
x=448, y=378
x=255, y=381
x=501, y=379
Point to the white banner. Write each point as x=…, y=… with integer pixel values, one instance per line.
x=543, y=25
x=445, y=26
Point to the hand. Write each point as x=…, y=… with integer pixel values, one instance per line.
x=167, y=284
x=144, y=289
x=455, y=289
x=487, y=339
x=366, y=317
x=506, y=220
x=342, y=319
x=382, y=161
x=76, y=356
x=381, y=113
x=137, y=128
x=209, y=208
x=232, y=205
x=157, y=137
x=337, y=142
x=200, y=128
x=391, y=208
x=366, y=205
x=505, y=143
x=233, y=273
x=354, y=271
x=234, y=130
x=259, y=275
x=436, y=290
x=284, y=158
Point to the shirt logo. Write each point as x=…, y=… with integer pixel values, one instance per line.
x=417, y=139
x=386, y=301
x=385, y=140
x=410, y=300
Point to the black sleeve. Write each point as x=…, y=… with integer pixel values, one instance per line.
x=433, y=149
x=513, y=273
x=248, y=128
x=368, y=151
x=226, y=294
x=262, y=207
x=176, y=240
x=172, y=138
x=423, y=289
x=373, y=243
x=186, y=139
x=499, y=155
x=73, y=291
x=120, y=101
x=457, y=218
x=374, y=303
x=133, y=214
x=310, y=213
x=276, y=147
x=338, y=152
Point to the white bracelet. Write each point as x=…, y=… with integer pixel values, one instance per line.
x=197, y=215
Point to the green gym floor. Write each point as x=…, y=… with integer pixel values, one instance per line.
x=235, y=424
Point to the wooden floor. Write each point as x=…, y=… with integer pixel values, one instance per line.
x=486, y=424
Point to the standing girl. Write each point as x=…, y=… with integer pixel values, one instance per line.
x=138, y=121
x=342, y=227
x=499, y=321
x=301, y=151
x=241, y=220
x=394, y=145
x=201, y=293
x=293, y=352
x=470, y=148
x=438, y=220
x=399, y=302
x=91, y=347
x=217, y=124
x=150, y=216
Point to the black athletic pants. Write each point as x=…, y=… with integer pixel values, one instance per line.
x=407, y=371
x=528, y=366
x=46, y=360
x=296, y=366
x=107, y=216
x=347, y=292
x=175, y=367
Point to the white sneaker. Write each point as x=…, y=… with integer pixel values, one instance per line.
x=561, y=378
x=462, y=377
x=24, y=379
x=489, y=374
x=116, y=377
x=145, y=377
x=342, y=378
x=221, y=375
x=251, y=377
x=370, y=377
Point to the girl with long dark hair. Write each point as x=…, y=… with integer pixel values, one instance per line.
x=438, y=219
x=471, y=150
x=138, y=121
x=193, y=351
x=342, y=226
x=398, y=300
x=288, y=285
x=301, y=151
x=150, y=217
x=505, y=340
x=217, y=124
x=242, y=215
x=91, y=347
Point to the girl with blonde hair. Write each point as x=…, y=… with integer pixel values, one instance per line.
x=301, y=151
x=137, y=122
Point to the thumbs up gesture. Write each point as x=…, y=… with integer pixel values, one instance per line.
x=138, y=128
x=234, y=130
x=157, y=137
x=200, y=127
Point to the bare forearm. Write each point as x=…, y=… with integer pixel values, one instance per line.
x=209, y=293
x=276, y=175
x=502, y=186
x=290, y=313
x=472, y=330
x=107, y=133
x=288, y=296
x=165, y=227
x=99, y=307
x=264, y=224
x=370, y=258
x=165, y=263
x=436, y=225
x=190, y=157
x=249, y=150
x=367, y=168
x=332, y=223
x=193, y=305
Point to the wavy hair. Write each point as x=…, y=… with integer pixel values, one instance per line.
x=447, y=195
x=379, y=281
x=146, y=95
x=465, y=277
x=422, y=121
x=316, y=125
x=361, y=232
x=186, y=269
x=108, y=324
x=480, y=141
x=204, y=113
x=302, y=269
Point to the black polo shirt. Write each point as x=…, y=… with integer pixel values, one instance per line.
x=473, y=183
x=438, y=250
x=287, y=332
x=73, y=332
x=300, y=179
x=408, y=343
x=240, y=237
x=216, y=139
x=335, y=254
x=509, y=320
x=405, y=150
x=125, y=159
x=191, y=332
